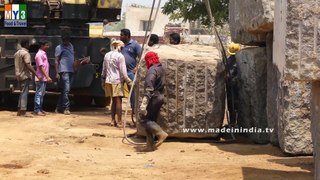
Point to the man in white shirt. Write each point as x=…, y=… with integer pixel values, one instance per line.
x=114, y=72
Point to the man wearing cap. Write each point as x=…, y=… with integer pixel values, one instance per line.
x=232, y=86
x=152, y=101
x=114, y=72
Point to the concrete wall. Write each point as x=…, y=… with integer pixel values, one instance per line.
x=135, y=16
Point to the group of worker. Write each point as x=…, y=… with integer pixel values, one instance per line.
x=119, y=66
x=64, y=65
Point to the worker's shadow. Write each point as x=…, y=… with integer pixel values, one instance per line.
x=142, y=149
x=243, y=147
x=250, y=173
x=305, y=162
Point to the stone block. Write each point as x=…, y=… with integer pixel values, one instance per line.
x=288, y=103
x=273, y=77
x=252, y=84
x=285, y=98
x=249, y=34
x=315, y=114
x=297, y=39
x=194, y=90
x=294, y=121
x=257, y=16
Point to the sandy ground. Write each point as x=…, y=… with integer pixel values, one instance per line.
x=58, y=146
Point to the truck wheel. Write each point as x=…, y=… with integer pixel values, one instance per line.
x=82, y=100
x=102, y=101
x=1, y=99
x=11, y=100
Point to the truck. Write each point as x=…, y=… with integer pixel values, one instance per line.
x=46, y=20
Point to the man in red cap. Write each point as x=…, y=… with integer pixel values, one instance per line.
x=153, y=100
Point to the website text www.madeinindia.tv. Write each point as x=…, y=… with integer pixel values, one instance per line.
x=228, y=130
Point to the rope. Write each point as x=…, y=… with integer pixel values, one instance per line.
x=137, y=72
x=224, y=58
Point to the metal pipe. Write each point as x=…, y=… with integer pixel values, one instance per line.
x=138, y=68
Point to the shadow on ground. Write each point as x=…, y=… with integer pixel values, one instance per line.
x=305, y=163
x=250, y=173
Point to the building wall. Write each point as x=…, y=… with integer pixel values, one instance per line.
x=136, y=15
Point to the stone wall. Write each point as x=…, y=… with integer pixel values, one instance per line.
x=194, y=91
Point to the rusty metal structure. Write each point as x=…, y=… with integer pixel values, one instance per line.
x=47, y=20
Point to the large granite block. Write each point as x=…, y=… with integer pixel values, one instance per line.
x=315, y=114
x=288, y=111
x=237, y=18
x=194, y=90
x=273, y=90
x=257, y=16
x=294, y=117
x=252, y=76
x=297, y=39
x=273, y=77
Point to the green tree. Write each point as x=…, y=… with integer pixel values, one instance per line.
x=191, y=10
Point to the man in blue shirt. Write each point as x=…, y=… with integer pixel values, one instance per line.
x=64, y=61
x=131, y=53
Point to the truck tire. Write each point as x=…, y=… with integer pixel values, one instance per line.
x=82, y=100
x=102, y=101
x=1, y=99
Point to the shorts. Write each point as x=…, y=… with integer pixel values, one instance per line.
x=113, y=90
x=126, y=90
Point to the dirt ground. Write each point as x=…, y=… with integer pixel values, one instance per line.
x=58, y=146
